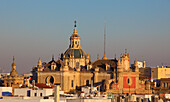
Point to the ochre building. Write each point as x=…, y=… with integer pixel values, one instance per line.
x=13, y=80
x=74, y=69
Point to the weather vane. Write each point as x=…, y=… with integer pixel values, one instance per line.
x=75, y=23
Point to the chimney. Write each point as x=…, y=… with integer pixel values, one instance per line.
x=57, y=93
x=33, y=83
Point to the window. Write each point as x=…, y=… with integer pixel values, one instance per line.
x=75, y=42
x=40, y=94
x=128, y=81
x=11, y=83
x=72, y=83
x=111, y=85
x=35, y=94
x=167, y=85
x=77, y=64
x=87, y=82
x=163, y=84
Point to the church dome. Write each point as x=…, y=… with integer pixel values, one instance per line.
x=77, y=53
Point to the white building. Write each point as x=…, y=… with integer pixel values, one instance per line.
x=5, y=91
x=33, y=93
x=140, y=64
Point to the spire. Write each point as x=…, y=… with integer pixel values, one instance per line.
x=136, y=66
x=97, y=56
x=75, y=29
x=52, y=57
x=118, y=63
x=39, y=62
x=88, y=56
x=104, y=39
x=125, y=51
x=104, y=57
x=115, y=56
x=13, y=59
x=13, y=64
x=119, y=66
x=136, y=63
x=121, y=55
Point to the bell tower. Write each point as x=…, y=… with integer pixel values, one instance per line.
x=13, y=69
x=125, y=61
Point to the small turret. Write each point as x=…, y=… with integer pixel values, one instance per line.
x=88, y=56
x=119, y=66
x=104, y=57
x=39, y=62
x=144, y=64
x=115, y=56
x=136, y=65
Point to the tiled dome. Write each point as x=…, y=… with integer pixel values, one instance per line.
x=76, y=52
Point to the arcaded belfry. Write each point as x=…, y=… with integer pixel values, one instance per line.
x=74, y=69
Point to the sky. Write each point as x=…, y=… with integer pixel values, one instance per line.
x=30, y=29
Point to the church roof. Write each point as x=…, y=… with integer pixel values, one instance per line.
x=101, y=64
x=58, y=63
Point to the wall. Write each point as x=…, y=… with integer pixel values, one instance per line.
x=23, y=92
x=89, y=100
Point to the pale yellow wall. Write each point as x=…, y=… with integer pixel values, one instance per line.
x=158, y=73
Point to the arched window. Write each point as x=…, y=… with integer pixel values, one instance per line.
x=128, y=81
x=50, y=79
x=87, y=82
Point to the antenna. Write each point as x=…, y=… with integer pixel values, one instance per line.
x=104, y=38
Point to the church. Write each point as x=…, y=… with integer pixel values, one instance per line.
x=74, y=69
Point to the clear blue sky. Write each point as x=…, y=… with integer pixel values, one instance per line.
x=30, y=29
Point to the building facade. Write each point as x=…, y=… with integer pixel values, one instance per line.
x=74, y=69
